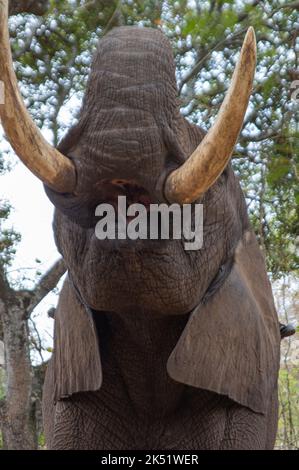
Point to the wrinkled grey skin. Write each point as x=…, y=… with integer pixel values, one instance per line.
x=143, y=292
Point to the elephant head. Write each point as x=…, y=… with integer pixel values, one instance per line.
x=131, y=140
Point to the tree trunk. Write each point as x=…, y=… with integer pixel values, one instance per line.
x=17, y=414
x=17, y=409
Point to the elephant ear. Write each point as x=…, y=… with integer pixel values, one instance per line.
x=231, y=343
x=76, y=359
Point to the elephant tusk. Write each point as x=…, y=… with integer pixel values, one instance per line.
x=47, y=163
x=207, y=162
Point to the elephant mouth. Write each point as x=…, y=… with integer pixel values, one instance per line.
x=135, y=222
x=112, y=190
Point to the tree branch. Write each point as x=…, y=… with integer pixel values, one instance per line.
x=260, y=137
x=36, y=7
x=242, y=16
x=115, y=20
x=46, y=284
x=194, y=71
x=293, y=5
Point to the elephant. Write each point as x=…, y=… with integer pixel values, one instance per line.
x=155, y=347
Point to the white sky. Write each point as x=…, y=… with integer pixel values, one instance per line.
x=32, y=217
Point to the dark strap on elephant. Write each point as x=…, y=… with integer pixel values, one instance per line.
x=286, y=330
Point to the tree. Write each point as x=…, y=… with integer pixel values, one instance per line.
x=16, y=307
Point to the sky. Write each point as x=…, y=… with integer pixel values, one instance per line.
x=31, y=215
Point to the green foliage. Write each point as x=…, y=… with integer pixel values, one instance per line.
x=41, y=441
x=210, y=35
x=199, y=25
x=8, y=237
x=279, y=203
x=2, y=388
x=288, y=425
